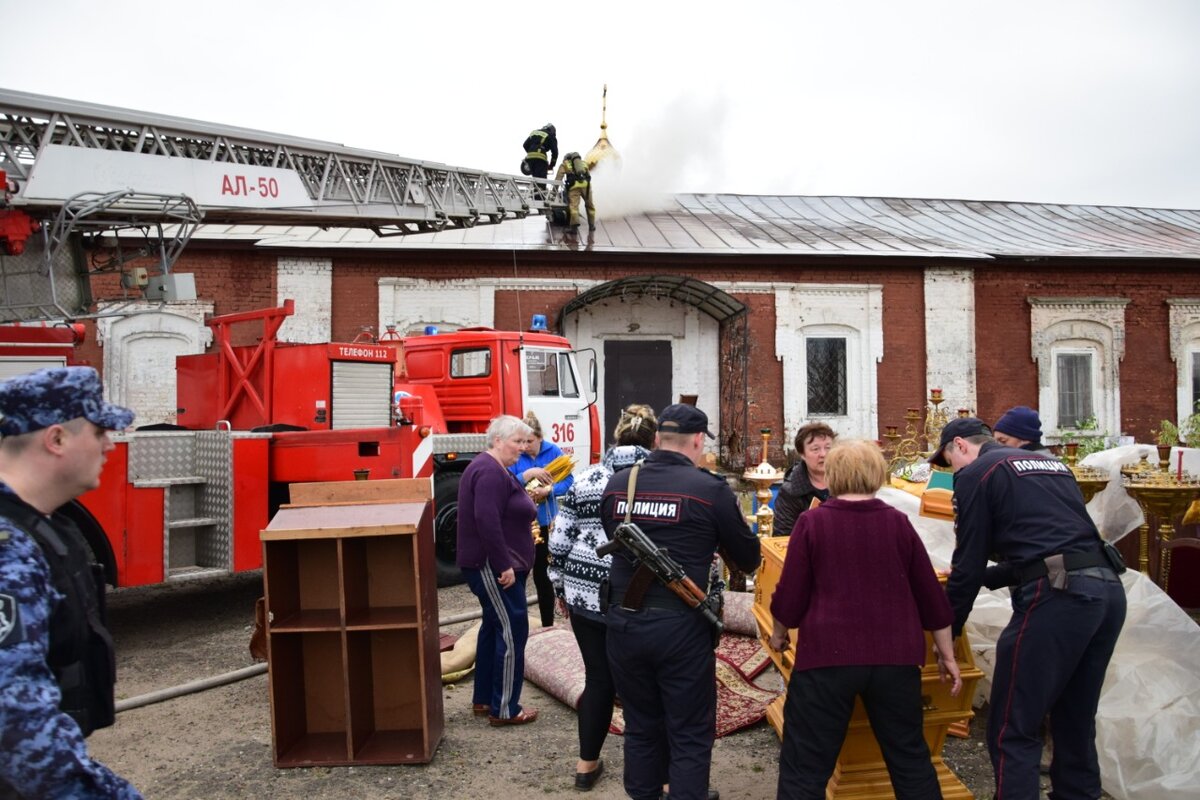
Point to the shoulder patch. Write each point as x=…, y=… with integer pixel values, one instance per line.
x=11, y=631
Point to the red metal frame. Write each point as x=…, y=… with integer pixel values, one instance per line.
x=236, y=372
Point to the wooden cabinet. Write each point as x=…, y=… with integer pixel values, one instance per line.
x=352, y=634
x=861, y=773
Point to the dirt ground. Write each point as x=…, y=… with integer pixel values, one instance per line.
x=217, y=744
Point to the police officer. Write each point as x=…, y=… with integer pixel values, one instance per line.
x=659, y=649
x=56, y=657
x=1025, y=511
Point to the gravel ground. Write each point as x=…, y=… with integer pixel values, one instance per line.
x=217, y=744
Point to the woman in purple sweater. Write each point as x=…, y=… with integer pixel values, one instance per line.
x=858, y=587
x=495, y=552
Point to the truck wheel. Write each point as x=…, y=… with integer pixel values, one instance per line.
x=445, y=528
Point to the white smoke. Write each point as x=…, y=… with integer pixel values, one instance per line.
x=680, y=147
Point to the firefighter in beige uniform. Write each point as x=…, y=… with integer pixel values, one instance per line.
x=573, y=171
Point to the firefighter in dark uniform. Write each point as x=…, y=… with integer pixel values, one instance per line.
x=541, y=152
x=56, y=656
x=1025, y=511
x=659, y=649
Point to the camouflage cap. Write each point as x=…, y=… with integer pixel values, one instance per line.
x=56, y=395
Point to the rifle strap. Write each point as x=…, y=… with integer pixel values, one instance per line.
x=633, y=473
x=635, y=592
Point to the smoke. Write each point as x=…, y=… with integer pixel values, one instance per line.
x=674, y=151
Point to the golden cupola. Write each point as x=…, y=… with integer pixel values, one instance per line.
x=603, y=149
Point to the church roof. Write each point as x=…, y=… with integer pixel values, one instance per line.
x=782, y=225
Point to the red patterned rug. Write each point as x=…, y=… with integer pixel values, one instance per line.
x=553, y=663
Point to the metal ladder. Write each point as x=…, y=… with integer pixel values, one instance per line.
x=341, y=186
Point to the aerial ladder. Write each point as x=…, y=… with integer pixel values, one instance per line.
x=71, y=172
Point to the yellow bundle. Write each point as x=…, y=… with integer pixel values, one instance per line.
x=559, y=468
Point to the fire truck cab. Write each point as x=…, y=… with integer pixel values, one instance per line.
x=480, y=373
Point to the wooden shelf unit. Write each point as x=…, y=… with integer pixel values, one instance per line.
x=352, y=637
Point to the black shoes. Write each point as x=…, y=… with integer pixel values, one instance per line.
x=584, y=781
x=713, y=794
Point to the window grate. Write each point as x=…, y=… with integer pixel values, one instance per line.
x=826, y=376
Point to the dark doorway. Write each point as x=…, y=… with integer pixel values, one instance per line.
x=635, y=372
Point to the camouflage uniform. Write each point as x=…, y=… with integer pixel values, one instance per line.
x=42, y=749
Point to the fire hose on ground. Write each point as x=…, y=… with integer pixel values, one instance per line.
x=204, y=684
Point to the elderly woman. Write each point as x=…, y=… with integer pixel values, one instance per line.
x=534, y=458
x=805, y=480
x=858, y=586
x=576, y=572
x=495, y=552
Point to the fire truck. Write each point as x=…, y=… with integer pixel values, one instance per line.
x=188, y=499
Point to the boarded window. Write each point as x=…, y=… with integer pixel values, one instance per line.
x=1075, y=401
x=471, y=363
x=826, y=376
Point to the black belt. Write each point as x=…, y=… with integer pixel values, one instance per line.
x=1071, y=561
x=671, y=603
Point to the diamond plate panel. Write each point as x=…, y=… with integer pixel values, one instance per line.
x=160, y=455
x=214, y=463
x=459, y=443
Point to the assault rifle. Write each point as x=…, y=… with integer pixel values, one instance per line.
x=666, y=570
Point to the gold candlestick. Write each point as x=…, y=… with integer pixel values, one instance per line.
x=762, y=476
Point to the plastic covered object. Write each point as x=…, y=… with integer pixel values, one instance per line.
x=1148, y=722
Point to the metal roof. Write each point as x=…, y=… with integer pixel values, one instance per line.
x=714, y=224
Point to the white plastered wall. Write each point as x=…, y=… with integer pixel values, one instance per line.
x=140, y=350
x=412, y=303
x=854, y=312
x=694, y=338
x=309, y=283
x=1093, y=324
x=1185, y=340
x=950, y=335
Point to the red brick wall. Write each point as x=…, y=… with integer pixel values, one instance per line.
x=1007, y=374
x=242, y=279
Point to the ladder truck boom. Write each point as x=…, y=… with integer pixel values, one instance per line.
x=54, y=149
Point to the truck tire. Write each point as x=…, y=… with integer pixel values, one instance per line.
x=445, y=528
x=94, y=537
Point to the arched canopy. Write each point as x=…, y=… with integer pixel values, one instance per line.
x=704, y=296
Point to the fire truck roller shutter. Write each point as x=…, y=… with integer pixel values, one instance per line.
x=445, y=523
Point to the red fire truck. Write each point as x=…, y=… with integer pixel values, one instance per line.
x=188, y=500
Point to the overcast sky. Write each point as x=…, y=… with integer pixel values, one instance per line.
x=1074, y=101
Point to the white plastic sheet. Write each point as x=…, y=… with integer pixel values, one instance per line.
x=1148, y=723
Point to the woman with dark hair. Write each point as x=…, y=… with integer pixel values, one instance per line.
x=804, y=480
x=495, y=552
x=858, y=586
x=577, y=573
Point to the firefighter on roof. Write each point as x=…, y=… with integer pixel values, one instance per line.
x=577, y=182
x=541, y=152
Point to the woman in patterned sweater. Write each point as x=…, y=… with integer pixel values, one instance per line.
x=577, y=572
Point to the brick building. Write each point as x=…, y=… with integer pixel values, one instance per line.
x=771, y=310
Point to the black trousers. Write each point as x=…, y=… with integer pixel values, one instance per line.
x=664, y=669
x=1051, y=659
x=596, y=702
x=541, y=580
x=817, y=712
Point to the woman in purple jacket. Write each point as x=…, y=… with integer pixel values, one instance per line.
x=495, y=552
x=858, y=587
